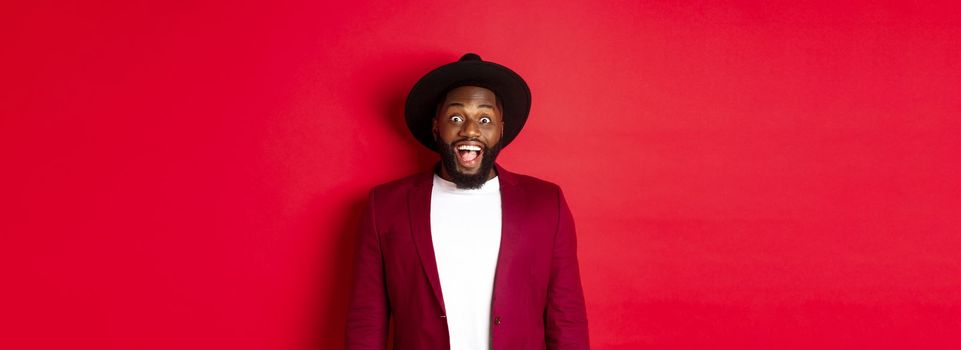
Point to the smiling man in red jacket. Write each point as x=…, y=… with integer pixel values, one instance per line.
x=467, y=255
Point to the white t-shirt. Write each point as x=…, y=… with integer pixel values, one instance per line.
x=466, y=232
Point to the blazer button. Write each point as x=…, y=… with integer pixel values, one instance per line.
x=497, y=320
x=443, y=316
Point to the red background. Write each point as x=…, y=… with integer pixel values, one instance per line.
x=188, y=174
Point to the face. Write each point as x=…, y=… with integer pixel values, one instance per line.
x=468, y=127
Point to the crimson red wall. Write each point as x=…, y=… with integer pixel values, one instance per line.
x=188, y=174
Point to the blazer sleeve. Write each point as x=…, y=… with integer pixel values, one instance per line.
x=566, y=315
x=368, y=311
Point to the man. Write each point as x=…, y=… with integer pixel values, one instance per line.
x=469, y=255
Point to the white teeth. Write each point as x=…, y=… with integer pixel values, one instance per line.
x=468, y=148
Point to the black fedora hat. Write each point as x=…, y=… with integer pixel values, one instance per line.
x=510, y=89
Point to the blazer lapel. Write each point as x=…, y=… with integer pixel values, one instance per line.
x=511, y=215
x=418, y=200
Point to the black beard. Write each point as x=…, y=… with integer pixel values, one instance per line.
x=465, y=181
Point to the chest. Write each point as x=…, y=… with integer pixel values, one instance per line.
x=465, y=225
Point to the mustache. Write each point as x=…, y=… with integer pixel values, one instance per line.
x=484, y=144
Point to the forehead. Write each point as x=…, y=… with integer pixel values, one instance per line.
x=471, y=95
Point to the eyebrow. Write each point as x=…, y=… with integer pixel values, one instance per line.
x=458, y=104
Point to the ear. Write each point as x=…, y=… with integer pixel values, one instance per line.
x=434, y=128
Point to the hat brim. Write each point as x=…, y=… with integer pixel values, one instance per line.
x=510, y=89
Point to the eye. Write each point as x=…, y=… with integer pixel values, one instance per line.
x=456, y=119
x=485, y=120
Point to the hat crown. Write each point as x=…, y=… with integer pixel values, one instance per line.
x=470, y=56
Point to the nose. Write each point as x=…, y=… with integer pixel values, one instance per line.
x=470, y=129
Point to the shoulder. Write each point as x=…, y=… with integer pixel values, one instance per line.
x=404, y=182
x=400, y=187
x=532, y=183
x=532, y=187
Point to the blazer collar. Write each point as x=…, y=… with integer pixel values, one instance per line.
x=418, y=198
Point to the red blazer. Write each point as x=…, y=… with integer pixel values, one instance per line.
x=537, y=302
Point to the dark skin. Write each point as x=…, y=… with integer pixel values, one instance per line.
x=469, y=115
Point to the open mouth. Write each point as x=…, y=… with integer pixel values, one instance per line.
x=469, y=156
